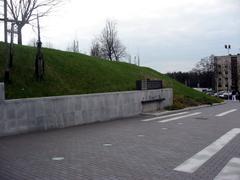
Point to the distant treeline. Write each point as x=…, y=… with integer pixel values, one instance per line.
x=194, y=79
x=201, y=76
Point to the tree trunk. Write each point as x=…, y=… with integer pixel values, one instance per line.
x=19, y=34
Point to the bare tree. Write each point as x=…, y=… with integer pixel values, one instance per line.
x=119, y=50
x=25, y=11
x=95, y=48
x=205, y=65
x=107, y=38
x=205, y=70
x=108, y=45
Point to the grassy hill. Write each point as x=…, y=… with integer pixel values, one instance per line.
x=72, y=73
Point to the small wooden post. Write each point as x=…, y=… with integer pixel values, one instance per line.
x=11, y=47
x=39, y=61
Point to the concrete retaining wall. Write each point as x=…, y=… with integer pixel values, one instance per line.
x=2, y=92
x=37, y=114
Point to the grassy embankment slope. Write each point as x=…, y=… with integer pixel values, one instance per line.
x=71, y=73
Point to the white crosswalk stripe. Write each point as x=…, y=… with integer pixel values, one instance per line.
x=231, y=171
x=163, y=117
x=226, y=113
x=179, y=117
x=195, y=162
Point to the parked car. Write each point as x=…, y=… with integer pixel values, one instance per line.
x=223, y=95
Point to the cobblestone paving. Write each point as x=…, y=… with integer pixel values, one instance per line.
x=122, y=149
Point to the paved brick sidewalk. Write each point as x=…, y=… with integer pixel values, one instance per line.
x=119, y=150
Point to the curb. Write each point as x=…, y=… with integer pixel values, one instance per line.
x=181, y=110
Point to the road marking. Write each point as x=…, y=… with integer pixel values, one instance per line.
x=225, y=113
x=179, y=117
x=196, y=161
x=162, y=117
x=58, y=158
x=107, y=145
x=231, y=171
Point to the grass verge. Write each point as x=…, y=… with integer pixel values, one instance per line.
x=72, y=73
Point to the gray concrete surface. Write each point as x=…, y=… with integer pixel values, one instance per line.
x=2, y=92
x=38, y=114
x=124, y=150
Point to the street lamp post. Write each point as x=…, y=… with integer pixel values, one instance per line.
x=228, y=47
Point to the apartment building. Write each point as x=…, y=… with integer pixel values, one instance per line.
x=227, y=72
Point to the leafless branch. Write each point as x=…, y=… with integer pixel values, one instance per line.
x=108, y=45
x=25, y=11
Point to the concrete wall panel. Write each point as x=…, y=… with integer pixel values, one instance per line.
x=38, y=114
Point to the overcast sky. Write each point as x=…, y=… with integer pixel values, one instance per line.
x=169, y=35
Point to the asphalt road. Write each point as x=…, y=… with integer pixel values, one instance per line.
x=201, y=144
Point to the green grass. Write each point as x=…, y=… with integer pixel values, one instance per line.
x=71, y=73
